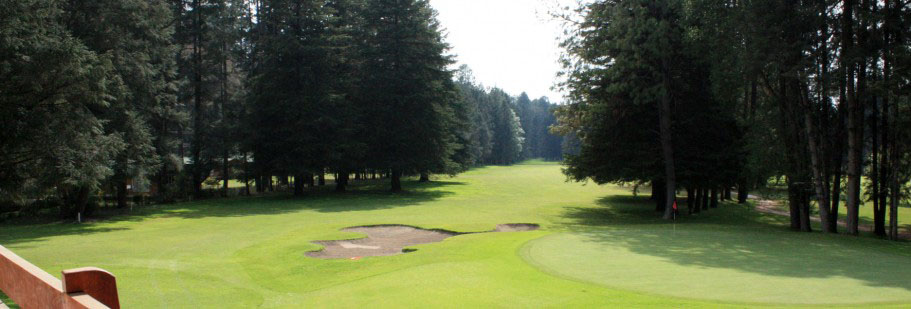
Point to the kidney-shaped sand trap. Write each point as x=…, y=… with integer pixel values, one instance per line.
x=385, y=240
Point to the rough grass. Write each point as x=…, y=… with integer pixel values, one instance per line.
x=249, y=252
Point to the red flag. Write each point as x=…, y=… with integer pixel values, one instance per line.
x=675, y=204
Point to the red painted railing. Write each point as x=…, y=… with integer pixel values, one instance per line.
x=30, y=287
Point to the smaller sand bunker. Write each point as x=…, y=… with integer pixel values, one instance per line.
x=384, y=240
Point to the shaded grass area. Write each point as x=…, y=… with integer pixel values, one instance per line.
x=731, y=254
x=250, y=252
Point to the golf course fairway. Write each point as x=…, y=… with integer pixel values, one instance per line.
x=597, y=246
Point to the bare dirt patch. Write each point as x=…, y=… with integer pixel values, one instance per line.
x=384, y=240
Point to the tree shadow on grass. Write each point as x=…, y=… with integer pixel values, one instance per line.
x=629, y=210
x=737, y=237
x=363, y=196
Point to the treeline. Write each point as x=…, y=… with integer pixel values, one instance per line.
x=507, y=129
x=98, y=97
x=712, y=95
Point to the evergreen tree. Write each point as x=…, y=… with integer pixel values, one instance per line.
x=136, y=36
x=537, y=117
x=406, y=88
x=508, y=137
x=626, y=60
x=53, y=95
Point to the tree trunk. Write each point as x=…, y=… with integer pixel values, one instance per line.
x=654, y=191
x=309, y=180
x=396, y=181
x=163, y=181
x=658, y=192
x=805, y=212
x=895, y=163
x=690, y=199
x=742, y=192
x=667, y=149
x=793, y=205
x=322, y=178
x=298, y=184
x=224, y=175
x=893, y=210
x=81, y=201
x=879, y=213
x=727, y=193
x=714, y=194
x=700, y=197
x=246, y=175
x=817, y=164
x=341, y=181
x=706, y=198
x=855, y=120
x=837, y=165
x=121, y=194
x=836, y=197
x=885, y=172
x=197, y=101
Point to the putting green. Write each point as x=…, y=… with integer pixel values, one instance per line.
x=729, y=265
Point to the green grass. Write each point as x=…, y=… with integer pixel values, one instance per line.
x=866, y=215
x=609, y=249
x=865, y=212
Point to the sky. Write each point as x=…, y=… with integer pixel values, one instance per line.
x=510, y=44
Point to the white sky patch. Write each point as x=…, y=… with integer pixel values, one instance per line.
x=510, y=44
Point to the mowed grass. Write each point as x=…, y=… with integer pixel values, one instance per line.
x=865, y=212
x=598, y=246
x=866, y=216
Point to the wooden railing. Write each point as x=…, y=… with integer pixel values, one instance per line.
x=30, y=287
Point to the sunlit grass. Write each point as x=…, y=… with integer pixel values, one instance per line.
x=249, y=252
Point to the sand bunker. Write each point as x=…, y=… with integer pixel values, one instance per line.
x=383, y=240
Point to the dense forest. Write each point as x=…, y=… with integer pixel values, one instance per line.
x=705, y=96
x=98, y=98
x=112, y=99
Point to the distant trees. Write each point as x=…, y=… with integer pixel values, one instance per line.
x=537, y=117
x=506, y=129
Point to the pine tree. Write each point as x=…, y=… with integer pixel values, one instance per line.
x=508, y=137
x=631, y=80
x=55, y=91
x=406, y=88
x=141, y=53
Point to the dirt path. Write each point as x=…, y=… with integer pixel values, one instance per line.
x=775, y=207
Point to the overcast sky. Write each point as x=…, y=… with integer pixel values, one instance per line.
x=510, y=44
